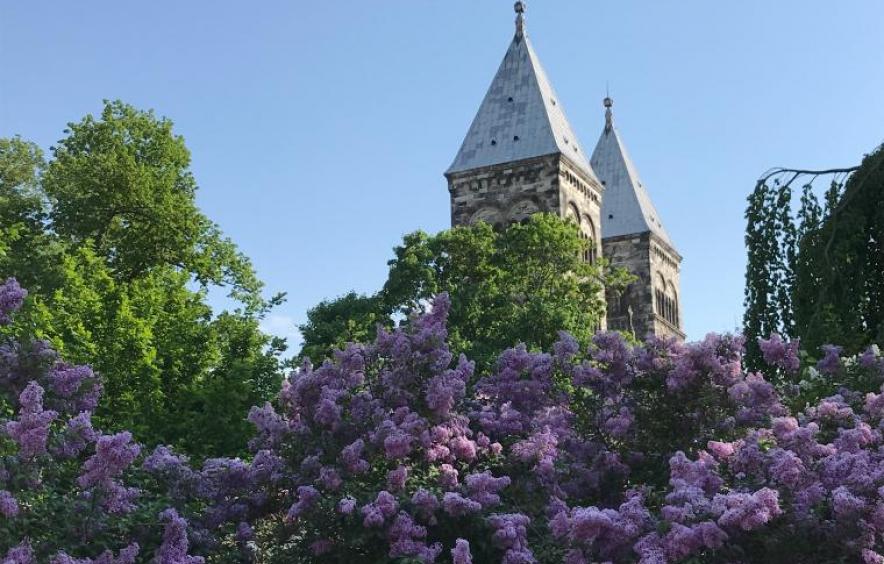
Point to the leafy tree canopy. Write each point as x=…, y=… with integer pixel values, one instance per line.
x=123, y=181
x=522, y=284
x=119, y=261
x=815, y=270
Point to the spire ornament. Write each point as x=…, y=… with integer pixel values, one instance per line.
x=609, y=115
x=519, y=7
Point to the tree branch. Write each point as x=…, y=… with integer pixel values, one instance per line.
x=798, y=172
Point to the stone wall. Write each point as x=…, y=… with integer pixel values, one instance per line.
x=632, y=310
x=655, y=264
x=666, y=266
x=501, y=194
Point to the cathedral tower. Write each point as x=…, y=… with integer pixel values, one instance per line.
x=633, y=237
x=520, y=155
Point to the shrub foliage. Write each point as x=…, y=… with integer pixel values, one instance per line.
x=396, y=451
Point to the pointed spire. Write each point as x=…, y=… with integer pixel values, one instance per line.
x=519, y=7
x=626, y=207
x=520, y=116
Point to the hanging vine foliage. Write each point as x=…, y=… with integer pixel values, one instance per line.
x=815, y=270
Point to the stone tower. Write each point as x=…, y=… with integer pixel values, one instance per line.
x=633, y=237
x=520, y=155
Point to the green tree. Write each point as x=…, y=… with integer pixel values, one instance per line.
x=816, y=273
x=23, y=207
x=119, y=262
x=840, y=285
x=519, y=285
x=331, y=324
x=123, y=182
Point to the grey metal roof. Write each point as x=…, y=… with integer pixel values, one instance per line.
x=521, y=117
x=626, y=205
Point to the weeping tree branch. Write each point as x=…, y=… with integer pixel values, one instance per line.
x=779, y=180
x=796, y=172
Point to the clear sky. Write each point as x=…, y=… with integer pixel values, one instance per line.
x=320, y=130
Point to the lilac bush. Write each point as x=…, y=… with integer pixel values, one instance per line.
x=69, y=494
x=397, y=451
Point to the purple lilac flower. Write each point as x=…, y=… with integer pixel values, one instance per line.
x=382, y=508
x=244, y=532
x=164, y=460
x=175, y=545
x=271, y=427
x=307, y=498
x=683, y=540
x=445, y=390
x=118, y=499
x=330, y=478
x=456, y=505
x=76, y=387
x=484, y=487
x=748, y=511
x=460, y=554
x=720, y=450
x=605, y=533
x=448, y=476
x=396, y=479
x=407, y=540
x=511, y=536
x=8, y=504
x=426, y=504
x=541, y=444
x=398, y=445
x=786, y=467
x=463, y=448
x=779, y=353
x=871, y=358
x=619, y=424
x=845, y=504
x=126, y=556
x=113, y=454
x=831, y=362
x=758, y=400
x=346, y=506
x=20, y=554
x=565, y=349
x=351, y=456
x=77, y=435
x=31, y=430
x=12, y=296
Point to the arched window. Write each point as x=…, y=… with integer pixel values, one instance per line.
x=672, y=296
x=572, y=213
x=660, y=296
x=522, y=210
x=488, y=214
x=587, y=228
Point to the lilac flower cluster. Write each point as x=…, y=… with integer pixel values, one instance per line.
x=779, y=353
x=63, y=483
x=395, y=450
x=12, y=296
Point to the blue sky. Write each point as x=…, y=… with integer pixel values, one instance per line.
x=320, y=130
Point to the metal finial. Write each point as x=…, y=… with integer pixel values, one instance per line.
x=609, y=115
x=519, y=7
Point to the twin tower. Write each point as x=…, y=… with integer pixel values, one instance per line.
x=521, y=156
